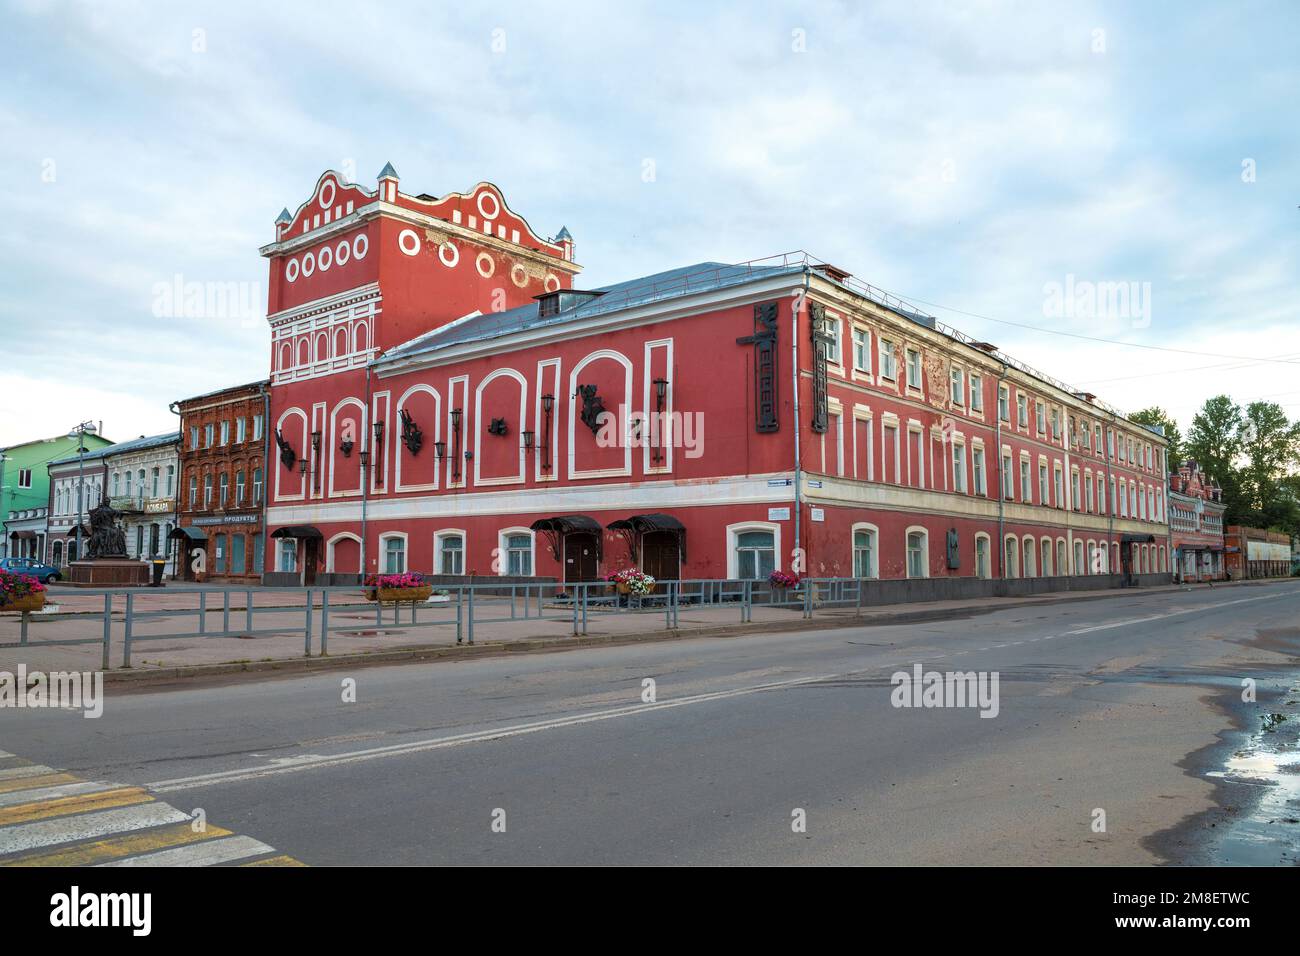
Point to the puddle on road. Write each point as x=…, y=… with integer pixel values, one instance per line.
x=1269, y=835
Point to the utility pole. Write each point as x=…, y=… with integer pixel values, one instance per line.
x=80, y=433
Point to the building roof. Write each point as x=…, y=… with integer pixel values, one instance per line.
x=693, y=280
x=260, y=383
x=687, y=280
x=121, y=448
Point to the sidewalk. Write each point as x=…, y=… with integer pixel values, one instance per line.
x=362, y=640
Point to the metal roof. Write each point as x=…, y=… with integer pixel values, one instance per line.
x=136, y=444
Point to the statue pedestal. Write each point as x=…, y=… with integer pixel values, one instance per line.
x=108, y=573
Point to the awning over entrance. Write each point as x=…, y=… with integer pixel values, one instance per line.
x=23, y=535
x=189, y=534
x=644, y=524
x=297, y=531
x=567, y=524
x=1137, y=539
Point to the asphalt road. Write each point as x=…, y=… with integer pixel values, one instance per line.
x=1113, y=705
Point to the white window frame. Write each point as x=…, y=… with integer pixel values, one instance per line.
x=384, y=538
x=875, y=548
x=503, y=555
x=925, y=551
x=734, y=531
x=439, y=540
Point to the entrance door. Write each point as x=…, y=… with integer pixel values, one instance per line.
x=310, y=557
x=580, y=557
x=660, y=555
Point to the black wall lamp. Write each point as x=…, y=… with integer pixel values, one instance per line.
x=661, y=395
x=378, y=451
x=548, y=406
x=456, y=415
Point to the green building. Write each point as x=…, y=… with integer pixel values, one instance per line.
x=25, y=489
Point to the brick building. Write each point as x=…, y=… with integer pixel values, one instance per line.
x=1196, y=525
x=1257, y=553
x=445, y=400
x=221, y=495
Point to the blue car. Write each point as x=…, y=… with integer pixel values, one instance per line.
x=30, y=566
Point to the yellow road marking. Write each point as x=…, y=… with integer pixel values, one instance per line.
x=114, y=848
x=33, y=783
x=26, y=812
x=276, y=861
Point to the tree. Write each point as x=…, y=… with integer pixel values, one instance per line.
x=1215, y=441
x=1155, y=415
x=1270, y=444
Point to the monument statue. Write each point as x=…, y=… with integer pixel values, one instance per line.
x=106, y=538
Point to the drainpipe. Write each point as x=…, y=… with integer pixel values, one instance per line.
x=266, y=478
x=794, y=377
x=1112, y=505
x=173, y=548
x=365, y=474
x=1002, y=478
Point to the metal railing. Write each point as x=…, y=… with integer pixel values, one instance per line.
x=126, y=619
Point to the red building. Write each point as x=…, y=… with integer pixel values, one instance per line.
x=221, y=497
x=444, y=399
x=1196, y=524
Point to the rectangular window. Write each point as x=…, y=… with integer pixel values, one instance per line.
x=1008, y=486
x=1004, y=403
x=225, y=433
x=452, y=554
x=1057, y=481
x=1075, y=498
x=1022, y=411
x=241, y=429
x=1087, y=490
x=1043, y=494
x=976, y=393
x=959, y=468
x=394, y=556
x=194, y=437
x=958, y=387
x=977, y=467
x=24, y=478
x=288, y=555
x=1040, y=419
x=207, y=435
x=257, y=427
x=862, y=350
x=1026, y=489
x=832, y=340
x=913, y=368
x=519, y=554
x=888, y=361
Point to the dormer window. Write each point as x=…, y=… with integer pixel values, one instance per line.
x=553, y=303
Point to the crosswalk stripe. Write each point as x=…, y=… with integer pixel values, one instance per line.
x=208, y=853
x=40, y=780
x=32, y=836
x=113, y=848
x=50, y=793
x=65, y=806
x=281, y=860
x=30, y=770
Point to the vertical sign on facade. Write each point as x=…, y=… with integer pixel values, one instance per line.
x=764, y=342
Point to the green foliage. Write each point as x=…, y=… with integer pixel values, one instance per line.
x=1155, y=415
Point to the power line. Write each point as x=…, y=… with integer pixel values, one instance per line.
x=1102, y=341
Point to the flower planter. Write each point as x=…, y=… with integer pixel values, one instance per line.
x=624, y=588
x=28, y=602
x=399, y=595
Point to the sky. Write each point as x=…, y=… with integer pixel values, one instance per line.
x=1037, y=175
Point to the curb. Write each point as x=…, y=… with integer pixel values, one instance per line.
x=416, y=654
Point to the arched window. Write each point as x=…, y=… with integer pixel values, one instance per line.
x=225, y=489
x=865, y=554
x=1079, y=566
x=918, y=553
x=755, y=555
x=449, y=547
x=982, y=569
x=207, y=492
x=1029, y=552
x=239, y=488
x=257, y=486
x=1046, y=569
x=1012, y=556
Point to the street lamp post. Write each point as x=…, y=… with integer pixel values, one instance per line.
x=80, y=433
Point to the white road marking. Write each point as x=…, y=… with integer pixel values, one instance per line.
x=35, y=770
x=33, y=836
x=208, y=853
x=314, y=761
x=1169, y=614
x=16, y=797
